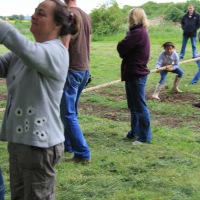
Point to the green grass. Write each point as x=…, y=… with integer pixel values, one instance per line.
x=166, y=169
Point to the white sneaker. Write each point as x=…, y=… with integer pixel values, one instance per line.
x=155, y=97
x=137, y=143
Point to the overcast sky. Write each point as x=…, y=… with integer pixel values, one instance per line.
x=27, y=7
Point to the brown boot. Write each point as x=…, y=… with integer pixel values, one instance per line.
x=196, y=104
x=157, y=91
x=176, y=83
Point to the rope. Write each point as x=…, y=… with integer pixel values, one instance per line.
x=151, y=71
x=119, y=81
x=180, y=63
x=101, y=86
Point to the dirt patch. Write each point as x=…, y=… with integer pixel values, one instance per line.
x=124, y=115
x=121, y=115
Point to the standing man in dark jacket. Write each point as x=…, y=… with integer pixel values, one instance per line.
x=189, y=23
x=134, y=50
x=78, y=75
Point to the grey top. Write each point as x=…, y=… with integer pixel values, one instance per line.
x=35, y=75
x=165, y=59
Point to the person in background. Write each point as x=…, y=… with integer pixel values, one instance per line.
x=2, y=190
x=78, y=76
x=134, y=50
x=166, y=58
x=190, y=23
x=196, y=77
x=35, y=74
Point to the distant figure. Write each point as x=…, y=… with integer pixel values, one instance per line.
x=190, y=24
x=197, y=75
x=78, y=76
x=134, y=50
x=168, y=57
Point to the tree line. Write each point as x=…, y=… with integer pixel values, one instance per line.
x=13, y=17
x=109, y=18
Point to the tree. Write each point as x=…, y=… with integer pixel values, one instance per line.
x=107, y=19
x=174, y=14
x=16, y=17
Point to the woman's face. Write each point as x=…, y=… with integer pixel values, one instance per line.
x=43, y=25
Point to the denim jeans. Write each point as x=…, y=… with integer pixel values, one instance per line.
x=184, y=42
x=74, y=139
x=197, y=75
x=1, y=186
x=164, y=73
x=140, y=116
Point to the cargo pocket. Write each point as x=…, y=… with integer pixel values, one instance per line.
x=58, y=152
x=43, y=190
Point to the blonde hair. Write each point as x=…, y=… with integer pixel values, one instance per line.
x=137, y=16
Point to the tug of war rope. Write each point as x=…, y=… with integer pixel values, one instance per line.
x=119, y=81
x=151, y=71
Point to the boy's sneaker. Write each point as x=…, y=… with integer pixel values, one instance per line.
x=137, y=143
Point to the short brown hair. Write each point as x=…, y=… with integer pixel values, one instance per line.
x=63, y=16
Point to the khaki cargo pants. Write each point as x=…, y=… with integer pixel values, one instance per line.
x=32, y=174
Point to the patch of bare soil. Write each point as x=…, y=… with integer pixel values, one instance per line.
x=124, y=115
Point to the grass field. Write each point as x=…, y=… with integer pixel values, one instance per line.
x=166, y=169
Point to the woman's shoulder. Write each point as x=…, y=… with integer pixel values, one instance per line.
x=139, y=32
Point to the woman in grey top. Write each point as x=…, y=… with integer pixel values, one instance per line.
x=35, y=74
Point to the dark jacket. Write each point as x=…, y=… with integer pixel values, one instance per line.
x=190, y=24
x=134, y=49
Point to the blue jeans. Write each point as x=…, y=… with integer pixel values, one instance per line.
x=164, y=73
x=184, y=42
x=74, y=139
x=197, y=75
x=1, y=186
x=140, y=116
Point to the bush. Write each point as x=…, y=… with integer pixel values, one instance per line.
x=174, y=14
x=107, y=19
